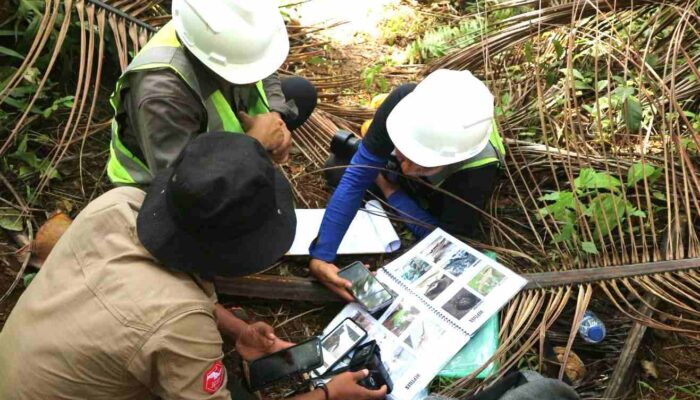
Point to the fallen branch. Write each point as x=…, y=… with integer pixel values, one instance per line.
x=306, y=289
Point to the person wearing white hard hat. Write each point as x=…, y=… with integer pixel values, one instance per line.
x=441, y=131
x=211, y=68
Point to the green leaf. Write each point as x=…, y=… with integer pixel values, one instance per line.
x=565, y=233
x=20, y=105
x=638, y=172
x=651, y=59
x=315, y=60
x=528, y=51
x=689, y=144
x=577, y=74
x=551, y=77
x=606, y=211
x=658, y=196
x=22, y=147
x=581, y=85
x=646, y=386
x=48, y=111
x=52, y=173
x=632, y=211
x=601, y=85
x=561, y=208
x=623, y=92
x=28, y=278
x=636, y=213
x=589, y=247
x=558, y=48
x=550, y=196
x=632, y=112
x=66, y=102
x=11, y=219
x=589, y=179
x=9, y=52
x=33, y=5
x=10, y=32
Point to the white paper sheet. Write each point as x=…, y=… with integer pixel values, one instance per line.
x=370, y=232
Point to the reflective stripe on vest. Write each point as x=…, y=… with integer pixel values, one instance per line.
x=494, y=152
x=164, y=51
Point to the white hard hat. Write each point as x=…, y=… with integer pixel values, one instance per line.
x=446, y=119
x=243, y=41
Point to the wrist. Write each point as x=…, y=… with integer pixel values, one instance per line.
x=315, y=266
x=315, y=263
x=228, y=324
x=259, y=137
x=318, y=263
x=323, y=389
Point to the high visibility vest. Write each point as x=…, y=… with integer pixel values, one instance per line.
x=493, y=153
x=164, y=51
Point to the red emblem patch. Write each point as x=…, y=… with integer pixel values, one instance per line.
x=214, y=377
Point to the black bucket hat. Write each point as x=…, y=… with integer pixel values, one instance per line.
x=221, y=209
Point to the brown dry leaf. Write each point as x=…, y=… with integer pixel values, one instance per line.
x=649, y=369
x=296, y=169
x=49, y=233
x=574, y=370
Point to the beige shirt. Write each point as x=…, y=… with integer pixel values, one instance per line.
x=102, y=320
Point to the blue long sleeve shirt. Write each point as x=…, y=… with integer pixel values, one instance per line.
x=406, y=206
x=346, y=201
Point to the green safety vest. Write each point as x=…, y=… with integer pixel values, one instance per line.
x=164, y=51
x=493, y=153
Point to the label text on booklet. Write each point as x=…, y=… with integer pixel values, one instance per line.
x=412, y=381
x=477, y=315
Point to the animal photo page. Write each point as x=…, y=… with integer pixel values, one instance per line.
x=444, y=292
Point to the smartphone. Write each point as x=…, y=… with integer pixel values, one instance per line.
x=338, y=343
x=366, y=289
x=298, y=359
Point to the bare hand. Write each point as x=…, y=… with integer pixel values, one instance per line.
x=258, y=339
x=345, y=386
x=270, y=131
x=327, y=274
x=280, y=154
x=387, y=187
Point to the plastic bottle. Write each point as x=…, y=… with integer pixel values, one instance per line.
x=592, y=329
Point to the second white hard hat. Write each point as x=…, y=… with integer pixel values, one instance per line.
x=242, y=41
x=446, y=119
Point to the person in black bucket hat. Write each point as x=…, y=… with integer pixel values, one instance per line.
x=128, y=296
x=221, y=209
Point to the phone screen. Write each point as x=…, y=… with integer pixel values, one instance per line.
x=365, y=287
x=301, y=358
x=339, y=342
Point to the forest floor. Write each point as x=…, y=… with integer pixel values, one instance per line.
x=362, y=49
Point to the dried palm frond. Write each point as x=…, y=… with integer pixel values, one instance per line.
x=629, y=115
x=124, y=21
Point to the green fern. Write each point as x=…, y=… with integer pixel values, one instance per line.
x=438, y=42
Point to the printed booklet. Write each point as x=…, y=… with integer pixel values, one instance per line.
x=445, y=290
